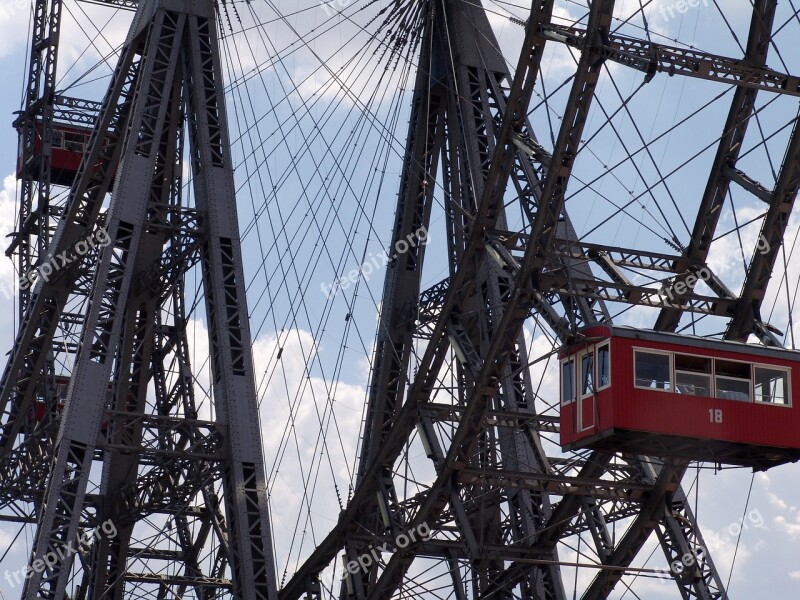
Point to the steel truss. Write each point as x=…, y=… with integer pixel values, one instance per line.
x=32, y=240
x=25, y=471
x=120, y=310
x=39, y=210
x=498, y=504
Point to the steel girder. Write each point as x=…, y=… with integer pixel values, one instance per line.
x=463, y=244
x=474, y=112
x=393, y=345
x=55, y=311
x=503, y=342
x=723, y=168
x=76, y=111
x=120, y=4
x=468, y=131
x=32, y=241
x=748, y=311
x=654, y=58
x=158, y=457
x=125, y=446
x=750, y=75
x=558, y=281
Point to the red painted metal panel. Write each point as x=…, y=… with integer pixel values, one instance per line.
x=587, y=422
x=681, y=414
x=624, y=407
x=568, y=423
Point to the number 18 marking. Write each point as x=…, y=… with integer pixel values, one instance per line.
x=715, y=415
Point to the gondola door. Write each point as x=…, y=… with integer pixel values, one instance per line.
x=587, y=407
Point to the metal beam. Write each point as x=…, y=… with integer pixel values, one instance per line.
x=177, y=63
x=516, y=309
x=652, y=58
x=728, y=150
x=651, y=514
x=765, y=255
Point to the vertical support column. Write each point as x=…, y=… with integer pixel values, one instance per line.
x=244, y=479
x=36, y=129
x=135, y=363
x=86, y=396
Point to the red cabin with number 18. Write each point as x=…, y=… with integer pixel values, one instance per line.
x=661, y=394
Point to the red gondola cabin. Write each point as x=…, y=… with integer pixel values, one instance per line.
x=39, y=407
x=661, y=394
x=70, y=143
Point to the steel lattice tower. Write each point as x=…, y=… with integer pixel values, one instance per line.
x=156, y=454
x=498, y=505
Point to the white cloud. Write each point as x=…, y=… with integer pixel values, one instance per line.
x=776, y=501
x=724, y=547
x=790, y=527
x=14, y=15
x=8, y=215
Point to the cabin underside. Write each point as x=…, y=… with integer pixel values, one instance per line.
x=759, y=458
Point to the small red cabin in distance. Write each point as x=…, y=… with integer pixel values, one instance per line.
x=40, y=409
x=70, y=143
x=662, y=394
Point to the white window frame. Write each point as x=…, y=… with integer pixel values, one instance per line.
x=579, y=372
x=561, y=381
x=751, y=380
x=607, y=344
x=669, y=355
x=710, y=374
x=786, y=370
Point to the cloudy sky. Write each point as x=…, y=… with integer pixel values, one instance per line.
x=317, y=115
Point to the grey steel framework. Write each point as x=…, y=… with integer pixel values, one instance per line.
x=498, y=505
x=156, y=455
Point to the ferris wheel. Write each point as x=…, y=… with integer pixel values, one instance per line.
x=396, y=299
